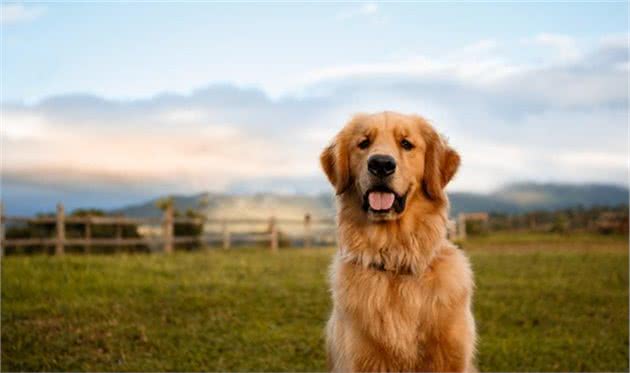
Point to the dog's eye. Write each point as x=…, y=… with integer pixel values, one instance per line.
x=364, y=144
x=406, y=144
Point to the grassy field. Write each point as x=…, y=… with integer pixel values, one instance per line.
x=543, y=303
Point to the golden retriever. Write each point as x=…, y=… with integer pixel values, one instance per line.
x=401, y=292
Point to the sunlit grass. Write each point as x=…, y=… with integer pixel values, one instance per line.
x=537, y=309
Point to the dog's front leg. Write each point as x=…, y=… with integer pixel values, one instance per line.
x=454, y=350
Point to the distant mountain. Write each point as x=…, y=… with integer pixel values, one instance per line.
x=473, y=202
x=533, y=196
x=523, y=197
x=149, y=208
x=260, y=205
x=513, y=198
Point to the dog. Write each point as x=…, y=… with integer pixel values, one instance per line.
x=401, y=291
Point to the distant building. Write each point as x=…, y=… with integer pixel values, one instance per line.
x=612, y=222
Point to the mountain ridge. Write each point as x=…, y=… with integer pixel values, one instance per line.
x=512, y=198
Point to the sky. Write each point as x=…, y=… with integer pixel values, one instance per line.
x=104, y=104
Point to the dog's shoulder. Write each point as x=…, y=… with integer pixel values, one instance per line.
x=449, y=275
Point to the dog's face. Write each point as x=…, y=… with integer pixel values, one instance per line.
x=386, y=160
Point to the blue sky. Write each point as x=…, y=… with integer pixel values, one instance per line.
x=104, y=103
x=136, y=50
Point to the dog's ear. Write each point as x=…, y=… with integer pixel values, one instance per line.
x=440, y=165
x=334, y=160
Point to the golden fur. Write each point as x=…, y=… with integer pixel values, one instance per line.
x=401, y=292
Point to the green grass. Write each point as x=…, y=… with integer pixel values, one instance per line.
x=562, y=307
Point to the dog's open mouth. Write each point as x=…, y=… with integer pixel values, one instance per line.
x=383, y=200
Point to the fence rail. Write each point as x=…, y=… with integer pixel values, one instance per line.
x=167, y=237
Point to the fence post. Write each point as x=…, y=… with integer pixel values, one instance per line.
x=273, y=233
x=461, y=226
x=203, y=244
x=168, y=229
x=308, y=238
x=2, y=238
x=226, y=235
x=61, y=230
x=118, y=236
x=451, y=230
x=88, y=234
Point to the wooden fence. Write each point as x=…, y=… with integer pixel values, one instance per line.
x=167, y=239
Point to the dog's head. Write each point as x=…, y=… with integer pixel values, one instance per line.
x=383, y=162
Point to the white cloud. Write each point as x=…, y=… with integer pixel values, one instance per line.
x=369, y=8
x=479, y=63
x=588, y=77
x=22, y=126
x=563, y=47
x=206, y=152
x=615, y=40
x=597, y=160
x=480, y=47
x=16, y=13
x=453, y=68
x=559, y=122
x=183, y=116
x=369, y=11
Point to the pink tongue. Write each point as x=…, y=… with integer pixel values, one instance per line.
x=381, y=200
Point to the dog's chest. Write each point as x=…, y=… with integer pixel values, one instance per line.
x=379, y=292
x=393, y=310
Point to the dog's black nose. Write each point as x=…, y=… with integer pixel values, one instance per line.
x=381, y=165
